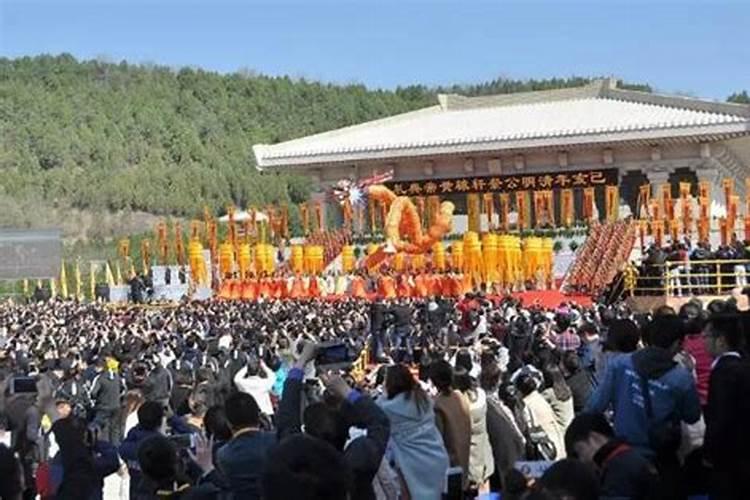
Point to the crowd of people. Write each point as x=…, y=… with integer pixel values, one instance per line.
x=686, y=268
x=271, y=399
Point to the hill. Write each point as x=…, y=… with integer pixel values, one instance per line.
x=79, y=139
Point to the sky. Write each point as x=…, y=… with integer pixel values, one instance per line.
x=699, y=47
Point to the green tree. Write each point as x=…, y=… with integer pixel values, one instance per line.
x=739, y=97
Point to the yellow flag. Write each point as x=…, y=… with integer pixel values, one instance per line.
x=118, y=273
x=26, y=287
x=133, y=274
x=52, y=288
x=79, y=288
x=110, y=278
x=92, y=281
x=63, y=281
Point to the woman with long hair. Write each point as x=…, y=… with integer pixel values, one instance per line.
x=452, y=416
x=418, y=451
x=481, y=460
x=558, y=395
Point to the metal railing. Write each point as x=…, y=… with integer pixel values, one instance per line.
x=695, y=277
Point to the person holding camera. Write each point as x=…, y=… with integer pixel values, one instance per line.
x=326, y=425
x=170, y=473
x=257, y=380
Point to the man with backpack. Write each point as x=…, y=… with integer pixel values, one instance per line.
x=652, y=395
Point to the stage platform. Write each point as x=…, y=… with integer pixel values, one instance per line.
x=551, y=298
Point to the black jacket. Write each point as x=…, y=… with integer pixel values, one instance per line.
x=625, y=473
x=401, y=316
x=106, y=391
x=25, y=420
x=73, y=390
x=727, y=439
x=242, y=461
x=364, y=454
x=377, y=317
x=580, y=387
x=209, y=487
x=158, y=386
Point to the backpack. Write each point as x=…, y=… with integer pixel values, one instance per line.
x=538, y=445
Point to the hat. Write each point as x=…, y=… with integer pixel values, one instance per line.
x=568, y=341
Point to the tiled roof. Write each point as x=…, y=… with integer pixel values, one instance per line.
x=505, y=121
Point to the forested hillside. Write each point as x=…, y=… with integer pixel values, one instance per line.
x=95, y=137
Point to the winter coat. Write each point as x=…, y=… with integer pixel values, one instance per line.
x=543, y=415
x=727, y=438
x=563, y=409
x=418, y=448
x=258, y=387
x=209, y=487
x=106, y=390
x=672, y=390
x=242, y=459
x=696, y=347
x=453, y=419
x=505, y=438
x=481, y=462
x=581, y=387
x=158, y=386
x=625, y=473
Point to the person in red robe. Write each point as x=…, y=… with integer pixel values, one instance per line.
x=265, y=288
x=466, y=284
x=248, y=289
x=420, y=286
x=403, y=289
x=279, y=288
x=387, y=287
x=358, y=289
x=434, y=285
x=225, y=290
x=313, y=291
x=298, y=290
x=235, y=289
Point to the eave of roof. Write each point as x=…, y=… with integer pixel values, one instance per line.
x=722, y=120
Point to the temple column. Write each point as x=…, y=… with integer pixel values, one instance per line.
x=657, y=177
x=713, y=177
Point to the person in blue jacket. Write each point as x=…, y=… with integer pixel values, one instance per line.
x=650, y=421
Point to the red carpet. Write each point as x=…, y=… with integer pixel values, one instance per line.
x=551, y=298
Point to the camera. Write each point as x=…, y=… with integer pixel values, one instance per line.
x=333, y=355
